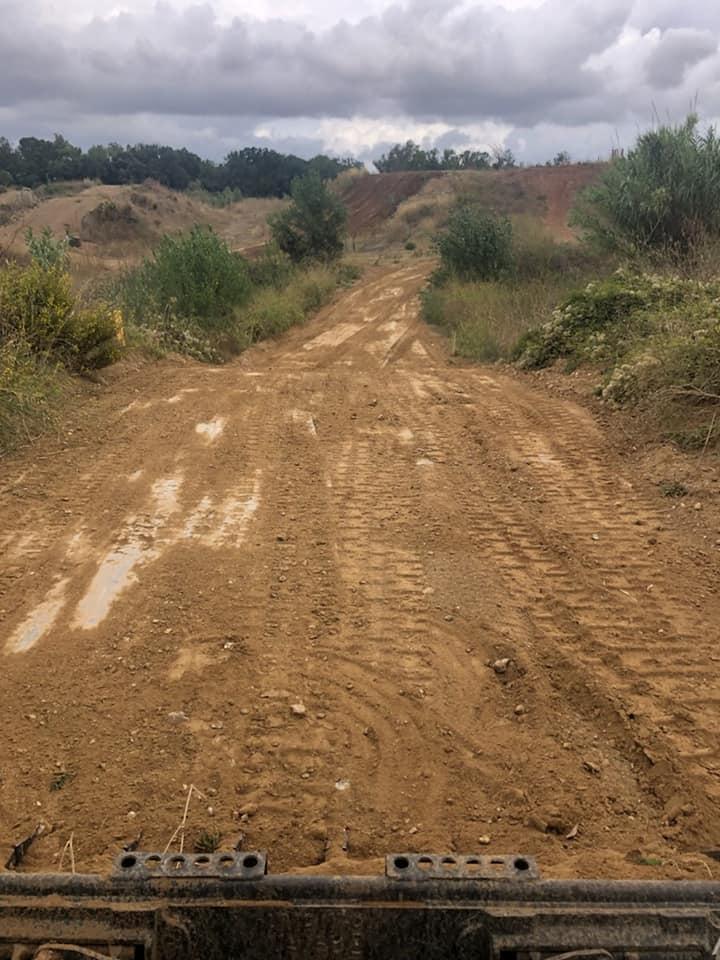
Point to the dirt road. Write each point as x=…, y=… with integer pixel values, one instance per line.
x=286, y=581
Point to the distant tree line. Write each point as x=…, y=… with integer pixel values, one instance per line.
x=254, y=171
x=411, y=156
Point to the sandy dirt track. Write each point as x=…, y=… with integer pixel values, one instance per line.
x=286, y=581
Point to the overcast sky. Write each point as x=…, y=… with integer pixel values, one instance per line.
x=352, y=78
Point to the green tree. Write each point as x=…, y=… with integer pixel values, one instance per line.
x=662, y=197
x=313, y=226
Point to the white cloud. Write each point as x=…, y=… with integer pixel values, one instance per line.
x=355, y=77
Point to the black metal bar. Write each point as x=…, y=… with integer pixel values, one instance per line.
x=184, y=917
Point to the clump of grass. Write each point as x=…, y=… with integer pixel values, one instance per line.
x=208, y=841
x=485, y=320
x=60, y=780
x=673, y=488
x=273, y=310
x=30, y=391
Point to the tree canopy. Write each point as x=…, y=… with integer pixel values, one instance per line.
x=411, y=156
x=254, y=171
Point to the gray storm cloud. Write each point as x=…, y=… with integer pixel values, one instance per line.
x=566, y=65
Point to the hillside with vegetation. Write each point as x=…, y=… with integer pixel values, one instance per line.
x=634, y=296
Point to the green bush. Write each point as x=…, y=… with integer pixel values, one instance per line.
x=272, y=268
x=36, y=304
x=651, y=334
x=603, y=321
x=662, y=198
x=92, y=339
x=313, y=226
x=38, y=308
x=193, y=275
x=475, y=246
x=45, y=250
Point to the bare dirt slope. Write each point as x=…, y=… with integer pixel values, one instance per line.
x=370, y=200
x=394, y=207
x=285, y=581
x=118, y=224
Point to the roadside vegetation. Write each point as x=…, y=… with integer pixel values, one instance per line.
x=636, y=297
x=192, y=295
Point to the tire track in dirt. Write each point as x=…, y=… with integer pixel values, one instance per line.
x=286, y=581
x=611, y=618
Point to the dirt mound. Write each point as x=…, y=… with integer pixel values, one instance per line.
x=393, y=208
x=117, y=225
x=372, y=199
x=555, y=187
x=110, y=222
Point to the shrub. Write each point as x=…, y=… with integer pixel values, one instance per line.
x=601, y=322
x=475, y=246
x=663, y=197
x=272, y=268
x=313, y=226
x=93, y=339
x=45, y=250
x=193, y=275
x=36, y=304
x=651, y=334
x=38, y=308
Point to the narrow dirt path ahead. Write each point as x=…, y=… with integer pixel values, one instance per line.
x=286, y=581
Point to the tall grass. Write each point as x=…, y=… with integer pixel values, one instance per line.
x=30, y=390
x=486, y=318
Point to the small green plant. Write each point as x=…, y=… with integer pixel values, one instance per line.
x=410, y=245
x=60, y=780
x=476, y=246
x=673, y=488
x=45, y=250
x=313, y=226
x=208, y=841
